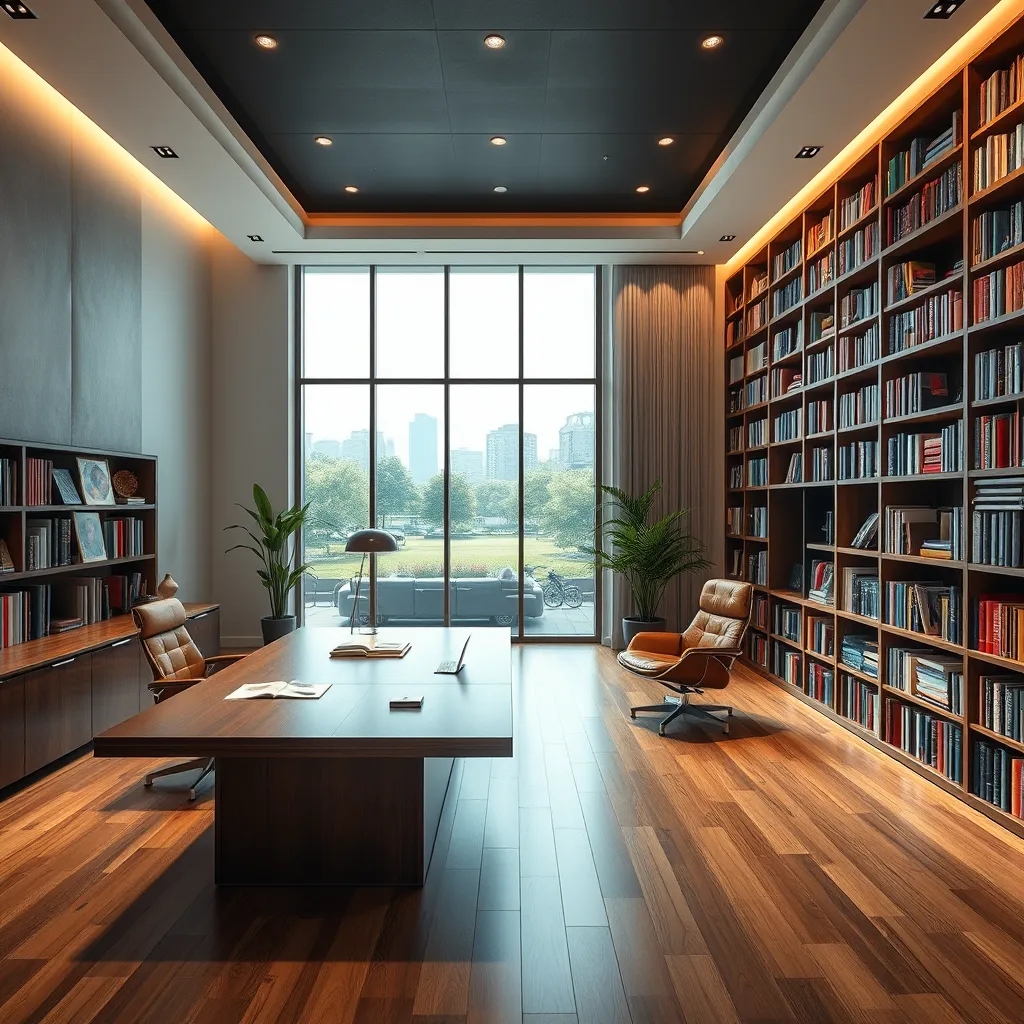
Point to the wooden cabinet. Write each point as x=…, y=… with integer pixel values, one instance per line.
x=58, y=710
x=116, y=693
x=205, y=632
x=12, y=730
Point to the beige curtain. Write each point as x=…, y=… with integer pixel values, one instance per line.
x=666, y=397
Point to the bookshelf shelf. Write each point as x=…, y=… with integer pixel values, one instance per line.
x=1008, y=741
x=59, y=570
x=799, y=511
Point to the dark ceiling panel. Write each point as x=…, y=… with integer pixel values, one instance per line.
x=411, y=97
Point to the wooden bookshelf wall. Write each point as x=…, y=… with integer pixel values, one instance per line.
x=796, y=512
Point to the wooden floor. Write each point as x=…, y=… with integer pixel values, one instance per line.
x=785, y=872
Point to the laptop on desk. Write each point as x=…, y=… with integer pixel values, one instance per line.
x=453, y=668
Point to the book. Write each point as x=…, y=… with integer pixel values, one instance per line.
x=64, y=625
x=66, y=487
x=279, y=690
x=371, y=647
x=6, y=562
x=406, y=703
x=865, y=537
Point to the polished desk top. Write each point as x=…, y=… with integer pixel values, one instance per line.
x=468, y=715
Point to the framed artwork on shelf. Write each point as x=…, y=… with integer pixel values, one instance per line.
x=89, y=531
x=66, y=487
x=94, y=475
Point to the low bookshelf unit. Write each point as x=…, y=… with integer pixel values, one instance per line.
x=874, y=354
x=71, y=665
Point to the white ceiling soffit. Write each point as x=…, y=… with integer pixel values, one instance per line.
x=115, y=62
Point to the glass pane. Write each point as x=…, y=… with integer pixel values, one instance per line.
x=410, y=323
x=410, y=503
x=484, y=328
x=559, y=322
x=559, y=506
x=485, y=503
x=336, y=322
x=336, y=483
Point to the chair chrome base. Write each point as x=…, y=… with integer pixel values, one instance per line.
x=682, y=706
x=204, y=765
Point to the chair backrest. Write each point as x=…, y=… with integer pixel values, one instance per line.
x=171, y=652
x=723, y=615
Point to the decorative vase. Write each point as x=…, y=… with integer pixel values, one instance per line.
x=274, y=629
x=167, y=586
x=630, y=628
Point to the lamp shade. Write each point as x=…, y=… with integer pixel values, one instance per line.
x=371, y=540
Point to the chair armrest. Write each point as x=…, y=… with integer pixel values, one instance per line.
x=164, y=688
x=221, y=660
x=657, y=643
x=711, y=652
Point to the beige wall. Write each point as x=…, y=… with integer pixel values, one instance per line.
x=251, y=432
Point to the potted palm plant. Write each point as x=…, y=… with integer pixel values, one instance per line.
x=648, y=555
x=273, y=545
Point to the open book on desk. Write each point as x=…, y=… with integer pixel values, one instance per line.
x=293, y=690
x=371, y=647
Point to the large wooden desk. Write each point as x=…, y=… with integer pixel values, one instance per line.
x=339, y=790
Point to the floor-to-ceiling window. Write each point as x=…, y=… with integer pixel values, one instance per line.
x=456, y=408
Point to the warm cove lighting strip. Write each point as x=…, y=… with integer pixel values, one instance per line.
x=970, y=43
x=33, y=95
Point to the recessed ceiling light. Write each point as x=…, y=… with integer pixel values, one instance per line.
x=700, y=252
x=808, y=152
x=643, y=188
x=494, y=42
x=712, y=42
x=352, y=188
x=944, y=9
x=666, y=141
x=18, y=11
x=255, y=238
x=323, y=140
x=265, y=42
x=500, y=188
x=165, y=152
x=728, y=238
x=498, y=141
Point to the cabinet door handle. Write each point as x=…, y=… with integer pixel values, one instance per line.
x=121, y=643
x=66, y=661
x=201, y=615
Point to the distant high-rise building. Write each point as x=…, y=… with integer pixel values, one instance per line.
x=503, y=453
x=576, y=441
x=468, y=463
x=356, y=448
x=423, y=447
x=554, y=456
x=327, y=446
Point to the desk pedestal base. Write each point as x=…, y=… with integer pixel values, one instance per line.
x=327, y=820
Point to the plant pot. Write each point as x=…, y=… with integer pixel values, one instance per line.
x=274, y=629
x=630, y=628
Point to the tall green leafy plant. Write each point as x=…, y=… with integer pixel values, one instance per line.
x=648, y=555
x=273, y=544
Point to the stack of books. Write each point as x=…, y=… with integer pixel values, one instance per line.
x=757, y=316
x=856, y=350
x=48, y=543
x=936, y=317
x=997, y=522
x=787, y=341
x=1002, y=705
x=823, y=325
x=858, y=701
x=734, y=520
x=820, y=366
x=1001, y=90
x=861, y=406
x=996, y=231
x=787, y=425
x=759, y=616
x=821, y=635
x=785, y=379
x=821, y=464
x=735, y=369
x=999, y=155
x=858, y=460
x=8, y=482
x=758, y=285
x=997, y=626
x=910, y=454
x=821, y=233
x=786, y=663
x=794, y=472
x=757, y=433
x=924, y=607
x=821, y=272
x=921, y=154
x=786, y=622
x=998, y=441
x=757, y=568
x=858, y=304
x=822, y=573
x=999, y=372
x=757, y=473
x=998, y=776
x=925, y=673
x=905, y=279
x=38, y=481
x=757, y=357
x=921, y=530
x=786, y=297
x=860, y=592
x=867, y=535
x=786, y=260
x=758, y=521
x=856, y=206
x=936, y=198
x=819, y=416
x=998, y=293
x=819, y=683
x=916, y=392
x=860, y=652
x=932, y=741
x=757, y=648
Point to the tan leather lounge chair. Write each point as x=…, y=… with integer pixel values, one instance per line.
x=698, y=659
x=177, y=664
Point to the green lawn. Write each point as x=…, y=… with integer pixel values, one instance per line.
x=477, y=556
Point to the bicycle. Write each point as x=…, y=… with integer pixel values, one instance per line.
x=557, y=592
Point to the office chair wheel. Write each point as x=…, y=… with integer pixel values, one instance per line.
x=661, y=730
x=632, y=713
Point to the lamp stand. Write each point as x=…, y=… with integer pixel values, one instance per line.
x=372, y=630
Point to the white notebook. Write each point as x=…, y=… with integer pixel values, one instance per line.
x=294, y=690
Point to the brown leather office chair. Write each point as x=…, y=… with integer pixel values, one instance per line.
x=698, y=659
x=177, y=664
